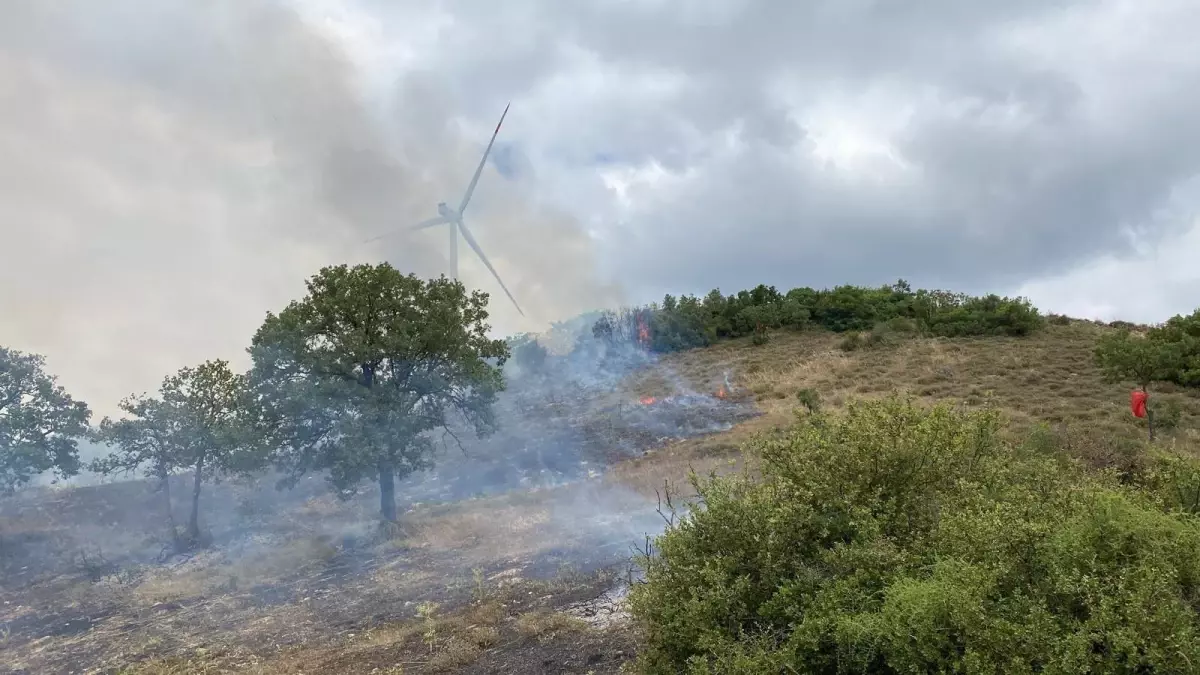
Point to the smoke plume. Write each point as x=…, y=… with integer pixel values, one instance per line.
x=173, y=170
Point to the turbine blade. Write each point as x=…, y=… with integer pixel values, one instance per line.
x=479, y=252
x=438, y=220
x=478, y=170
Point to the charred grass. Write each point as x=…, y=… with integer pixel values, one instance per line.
x=493, y=584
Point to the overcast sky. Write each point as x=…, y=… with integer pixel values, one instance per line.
x=171, y=170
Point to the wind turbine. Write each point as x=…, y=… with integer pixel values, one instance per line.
x=454, y=218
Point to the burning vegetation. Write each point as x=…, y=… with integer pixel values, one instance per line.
x=204, y=546
x=529, y=520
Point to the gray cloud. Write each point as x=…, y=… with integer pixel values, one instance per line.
x=1029, y=136
x=173, y=170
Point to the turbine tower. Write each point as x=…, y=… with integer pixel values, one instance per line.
x=454, y=219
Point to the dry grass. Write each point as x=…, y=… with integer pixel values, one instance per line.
x=209, y=574
x=463, y=526
x=543, y=623
x=435, y=641
x=1046, y=378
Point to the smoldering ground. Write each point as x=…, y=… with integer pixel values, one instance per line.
x=93, y=578
x=173, y=170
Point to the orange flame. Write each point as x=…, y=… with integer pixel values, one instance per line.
x=722, y=393
x=643, y=331
x=647, y=400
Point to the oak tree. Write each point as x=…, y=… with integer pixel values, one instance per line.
x=352, y=376
x=147, y=440
x=40, y=423
x=202, y=421
x=1129, y=357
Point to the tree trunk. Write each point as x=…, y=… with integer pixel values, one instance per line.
x=1149, y=413
x=387, y=491
x=194, y=519
x=166, y=486
x=387, y=470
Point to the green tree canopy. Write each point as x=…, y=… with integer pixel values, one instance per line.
x=1182, y=335
x=202, y=421
x=1129, y=357
x=352, y=376
x=39, y=422
x=145, y=441
x=688, y=322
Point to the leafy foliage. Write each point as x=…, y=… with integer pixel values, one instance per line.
x=352, y=376
x=810, y=399
x=1163, y=354
x=527, y=353
x=1166, y=353
x=902, y=539
x=202, y=421
x=1128, y=356
x=688, y=322
x=39, y=422
x=146, y=440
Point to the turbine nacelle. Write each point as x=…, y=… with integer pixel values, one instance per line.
x=454, y=218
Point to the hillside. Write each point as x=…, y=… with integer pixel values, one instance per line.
x=513, y=581
x=1050, y=376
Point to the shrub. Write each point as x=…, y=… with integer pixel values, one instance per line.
x=810, y=399
x=890, y=332
x=903, y=325
x=989, y=315
x=851, y=342
x=688, y=322
x=878, y=338
x=1180, y=337
x=1167, y=413
x=900, y=539
x=528, y=353
x=1174, y=479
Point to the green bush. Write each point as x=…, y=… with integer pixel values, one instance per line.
x=810, y=399
x=1180, y=336
x=688, y=322
x=901, y=539
x=1174, y=480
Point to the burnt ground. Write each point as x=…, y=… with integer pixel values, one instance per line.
x=503, y=542
x=507, y=559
